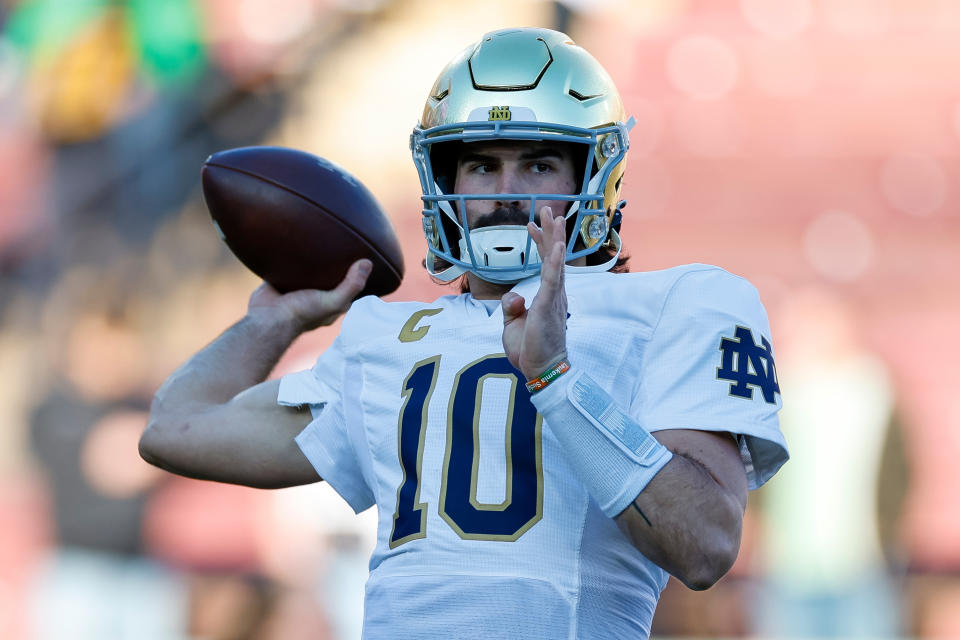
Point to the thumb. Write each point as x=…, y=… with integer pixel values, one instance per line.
x=353, y=282
x=513, y=306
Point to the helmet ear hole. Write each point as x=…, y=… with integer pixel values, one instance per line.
x=580, y=163
x=444, y=157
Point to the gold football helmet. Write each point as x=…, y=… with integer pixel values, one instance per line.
x=520, y=84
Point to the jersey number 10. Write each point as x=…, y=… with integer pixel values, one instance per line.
x=522, y=506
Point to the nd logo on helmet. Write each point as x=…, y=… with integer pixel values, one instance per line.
x=499, y=113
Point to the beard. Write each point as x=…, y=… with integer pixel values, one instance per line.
x=510, y=215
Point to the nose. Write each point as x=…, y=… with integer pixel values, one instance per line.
x=508, y=182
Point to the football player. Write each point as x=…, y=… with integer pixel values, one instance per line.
x=544, y=449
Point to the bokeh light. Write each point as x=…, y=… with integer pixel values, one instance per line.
x=104, y=458
x=708, y=128
x=783, y=68
x=915, y=184
x=777, y=18
x=10, y=68
x=858, y=18
x=955, y=120
x=839, y=246
x=703, y=67
x=650, y=187
x=648, y=130
x=275, y=22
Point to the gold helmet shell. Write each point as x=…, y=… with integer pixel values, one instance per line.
x=526, y=84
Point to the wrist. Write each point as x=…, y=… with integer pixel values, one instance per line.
x=541, y=380
x=534, y=369
x=276, y=322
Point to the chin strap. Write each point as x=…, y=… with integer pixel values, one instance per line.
x=606, y=266
x=453, y=271
x=447, y=275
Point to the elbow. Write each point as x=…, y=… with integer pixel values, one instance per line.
x=706, y=575
x=712, y=564
x=147, y=445
x=151, y=445
x=146, y=449
x=718, y=548
x=701, y=583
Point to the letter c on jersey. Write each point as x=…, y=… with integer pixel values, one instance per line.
x=410, y=331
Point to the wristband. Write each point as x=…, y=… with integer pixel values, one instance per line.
x=612, y=454
x=548, y=376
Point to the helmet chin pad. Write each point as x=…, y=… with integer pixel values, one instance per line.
x=500, y=246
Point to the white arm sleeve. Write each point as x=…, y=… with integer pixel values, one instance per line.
x=614, y=456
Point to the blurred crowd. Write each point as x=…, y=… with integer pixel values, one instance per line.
x=809, y=145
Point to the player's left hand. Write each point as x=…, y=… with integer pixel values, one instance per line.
x=535, y=338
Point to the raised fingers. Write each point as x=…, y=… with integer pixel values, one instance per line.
x=545, y=235
x=551, y=243
x=559, y=231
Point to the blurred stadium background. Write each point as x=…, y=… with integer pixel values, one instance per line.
x=809, y=145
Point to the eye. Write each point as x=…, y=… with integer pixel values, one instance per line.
x=541, y=167
x=482, y=168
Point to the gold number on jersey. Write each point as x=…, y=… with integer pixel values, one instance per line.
x=522, y=506
x=410, y=518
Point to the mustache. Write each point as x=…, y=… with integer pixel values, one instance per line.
x=505, y=215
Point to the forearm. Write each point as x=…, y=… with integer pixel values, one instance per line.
x=214, y=419
x=201, y=403
x=686, y=522
x=217, y=418
x=241, y=357
x=245, y=353
x=688, y=492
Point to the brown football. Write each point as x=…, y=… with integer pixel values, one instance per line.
x=299, y=221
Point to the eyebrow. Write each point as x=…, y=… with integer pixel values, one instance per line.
x=534, y=154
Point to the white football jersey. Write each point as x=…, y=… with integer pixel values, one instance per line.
x=484, y=530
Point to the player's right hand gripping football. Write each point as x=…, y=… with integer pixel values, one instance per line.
x=308, y=309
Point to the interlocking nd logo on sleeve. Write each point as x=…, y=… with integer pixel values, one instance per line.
x=748, y=365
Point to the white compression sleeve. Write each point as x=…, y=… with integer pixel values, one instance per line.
x=613, y=455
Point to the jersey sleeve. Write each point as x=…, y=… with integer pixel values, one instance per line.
x=317, y=386
x=327, y=442
x=709, y=365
